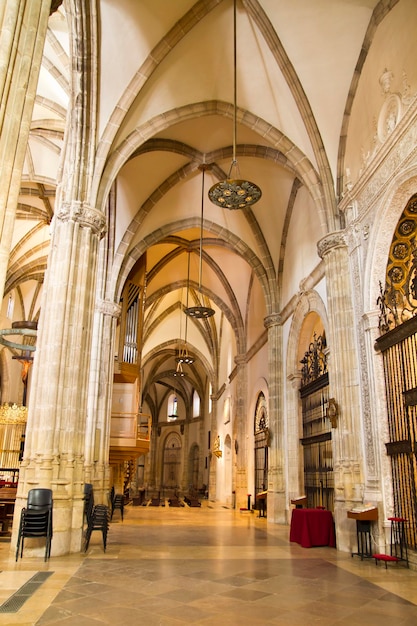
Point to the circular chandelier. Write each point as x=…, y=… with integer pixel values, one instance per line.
x=234, y=193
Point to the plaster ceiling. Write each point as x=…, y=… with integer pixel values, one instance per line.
x=165, y=107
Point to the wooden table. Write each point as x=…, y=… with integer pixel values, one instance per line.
x=312, y=527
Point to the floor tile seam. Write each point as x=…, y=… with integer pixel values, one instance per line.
x=382, y=584
x=149, y=553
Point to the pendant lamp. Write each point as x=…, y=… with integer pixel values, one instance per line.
x=234, y=193
x=200, y=311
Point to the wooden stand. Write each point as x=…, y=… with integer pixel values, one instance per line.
x=261, y=503
x=363, y=531
x=299, y=502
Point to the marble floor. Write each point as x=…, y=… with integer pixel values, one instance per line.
x=210, y=565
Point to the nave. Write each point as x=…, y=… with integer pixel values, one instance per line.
x=211, y=565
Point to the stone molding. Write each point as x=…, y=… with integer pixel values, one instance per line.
x=398, y=150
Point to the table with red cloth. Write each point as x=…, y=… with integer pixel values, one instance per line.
x=312, y=527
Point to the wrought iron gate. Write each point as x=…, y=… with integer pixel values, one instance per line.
x=317, y=444
x=261, y=432
x=317, y=434
x=399, y=349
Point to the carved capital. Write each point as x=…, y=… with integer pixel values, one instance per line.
x=241, y=359
x=274, y=319
x=106, y=307
x=85, y=215
x=330, y=242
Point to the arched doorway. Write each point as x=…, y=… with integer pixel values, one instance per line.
x=171, y=470
x=261, y=431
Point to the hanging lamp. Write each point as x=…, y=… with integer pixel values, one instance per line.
x=200, y=311
x=234, y=193
x=183, y=356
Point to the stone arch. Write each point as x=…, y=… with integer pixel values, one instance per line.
x=309, y=302
x=308, y=311
x=389, y=210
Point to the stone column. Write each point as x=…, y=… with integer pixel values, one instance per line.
x=212, y=457
x=294, y=458
x=185, y=444
x=97, y=440
x=343, y=381
x=56, y=428
x=278, y=505
x=23, y=27
x=154, y=468
x=240, y=427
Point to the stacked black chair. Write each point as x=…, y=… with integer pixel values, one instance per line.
x=36, y=520
x=88, y=501
x=118, y=502
x=97, y=516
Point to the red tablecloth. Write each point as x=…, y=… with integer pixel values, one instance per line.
x=312, y=527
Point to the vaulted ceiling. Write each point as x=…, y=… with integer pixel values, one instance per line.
x=166, y=95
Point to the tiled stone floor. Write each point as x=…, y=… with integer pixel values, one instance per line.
x=171, y=566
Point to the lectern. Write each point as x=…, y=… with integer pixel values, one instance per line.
x=299, y=502
x=364, y=518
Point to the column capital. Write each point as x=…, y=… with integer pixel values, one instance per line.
x=330, y=242
x=274, y=319
x=85, y=215
x=241, y=359
x=106, y=307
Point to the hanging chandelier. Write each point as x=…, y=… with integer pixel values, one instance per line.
x=200, y=311
x=234, y=193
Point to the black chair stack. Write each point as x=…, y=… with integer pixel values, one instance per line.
x=97, y=517
x=118, y=502
x=36, y=520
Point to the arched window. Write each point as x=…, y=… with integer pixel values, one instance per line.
x=196, y=404
x=10, y=306
x=172, y=414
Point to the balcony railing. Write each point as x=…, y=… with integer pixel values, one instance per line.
x=126, y=429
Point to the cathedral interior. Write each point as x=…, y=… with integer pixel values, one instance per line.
x=208, y=261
